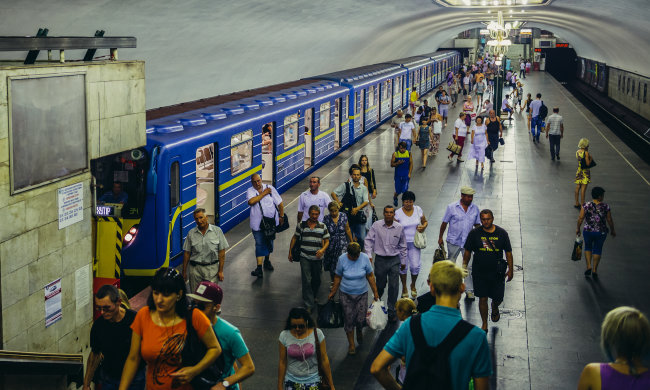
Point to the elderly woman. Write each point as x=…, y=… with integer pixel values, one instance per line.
x=412, y=218
x=340, y=235
x=595, y=214
x=468, y=109
x=625, y=341
x=160, y=331
x=583, y=175
x=302, y=345
x=352, y=271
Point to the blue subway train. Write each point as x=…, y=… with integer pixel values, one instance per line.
x=203, y=153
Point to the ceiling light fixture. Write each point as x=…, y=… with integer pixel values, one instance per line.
x=499, y=32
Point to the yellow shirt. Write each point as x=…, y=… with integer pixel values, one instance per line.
x=414, y=96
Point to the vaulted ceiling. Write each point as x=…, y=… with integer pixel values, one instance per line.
x=200, y=48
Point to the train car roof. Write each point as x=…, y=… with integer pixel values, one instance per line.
x=438, y=54
x=411, y=61
x=193, y=125
x=360, y=73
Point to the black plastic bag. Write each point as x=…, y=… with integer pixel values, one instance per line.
x=576, y=255
x=330, y=315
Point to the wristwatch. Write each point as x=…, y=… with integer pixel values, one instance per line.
x=225, y=384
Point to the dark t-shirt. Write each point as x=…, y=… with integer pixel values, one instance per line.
x=425, y=302
x=113, y=340
x=488, y=248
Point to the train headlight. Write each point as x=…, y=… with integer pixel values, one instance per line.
x=130, y=235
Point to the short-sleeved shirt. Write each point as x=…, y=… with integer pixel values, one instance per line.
x=596, y=217
x=406, y=129
x=504, y=103
x=360, y=193
x=488, y=248
x=204, y=248
x=302, y=363
x=534, y=107
x=444, y=101
x=307, y=199
x=161, y=347
x=436, y=123
x=469, y=359
x=353, y=273
x=461, y=126
x=460, y=222
x=232, y=345
x=109, y=197
x=268, y=204
x=311, y=240
x=414, y=96
x=396, y=121
x=554, y=124
x=411, y=223
x=113, y=340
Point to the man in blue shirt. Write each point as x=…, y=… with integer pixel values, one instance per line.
x=469, y=359
x=209, y=296
x=115, y=196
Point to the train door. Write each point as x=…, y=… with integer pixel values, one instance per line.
x=268, y=131
x=176, y=238
x=309, y=137
x=377, y=100
x=205, y=185
x=337, y=124
x=362, y=110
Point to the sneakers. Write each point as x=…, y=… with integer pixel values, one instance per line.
x=469, y=296
x=268, y=266
x=257, y=272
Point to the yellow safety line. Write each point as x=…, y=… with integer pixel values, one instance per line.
x=289, y=152
x=239, y=178
x=321, y=135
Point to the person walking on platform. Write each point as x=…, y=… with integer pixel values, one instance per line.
x=110, y=342
x=494, y=131
x=386, y=239
x=353, y=199
x=313, y=196
x=595, y=214
x=555, y=132
x=454, y=90
x=313, y=238
x=402, y=161
x=444, y=106
x=625, y=341
x=368, y=175
x=412, y=219
x=488, y=242
x=535, y=119
x=583, y=174
x=522, y=69
x=394, y=123
x=423, y=139
x=462, y=217
x=340, y=236
x=406, y=131
x=479, y=142
x=208, y=297
x=459, y=136
x=468, y=359
x=436, y=132
x=413, y=98
x=204, y=253
x=264, y=201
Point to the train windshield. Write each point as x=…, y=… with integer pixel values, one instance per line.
x=120, y=188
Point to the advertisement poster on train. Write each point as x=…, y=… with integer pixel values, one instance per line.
x=71, y=205
x=53, y=309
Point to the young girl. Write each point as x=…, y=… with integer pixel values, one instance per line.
x=404, y=308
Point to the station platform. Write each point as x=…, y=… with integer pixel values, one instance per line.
x=550, y=321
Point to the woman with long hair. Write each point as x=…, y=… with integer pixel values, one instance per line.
x=368, y=175
x=302, y=345
x=423, y=139
x=160, y=331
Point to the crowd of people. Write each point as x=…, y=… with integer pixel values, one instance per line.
x=342, y=234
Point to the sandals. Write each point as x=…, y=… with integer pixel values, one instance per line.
x=588, y=272
x=414, y=293
x=405, y=295
x=495, y=316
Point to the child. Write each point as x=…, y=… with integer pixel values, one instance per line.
x=404, y=308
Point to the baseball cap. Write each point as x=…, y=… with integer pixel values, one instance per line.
x=208, y=292
x=467, y=190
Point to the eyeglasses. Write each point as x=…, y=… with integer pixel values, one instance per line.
x=298, y=326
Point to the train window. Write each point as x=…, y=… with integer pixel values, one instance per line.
x=344, y=108
x=628, y=87
x=241, y=152
x=638, y=92
x=385, y=92
x=325, y=116
x=290, y=130
x=619, y=82
x=398, y=85
x=205, y=180
x=371, y=96
x=174, y=186
x=356, y=102
x=645, y=93
x=633, y=84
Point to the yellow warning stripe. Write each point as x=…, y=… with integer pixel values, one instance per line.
x=321, y=135
x=239, y=178
x=289, y=152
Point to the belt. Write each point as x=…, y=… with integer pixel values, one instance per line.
x=194, y=263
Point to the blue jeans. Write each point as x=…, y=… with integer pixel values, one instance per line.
x=359, y=231
x=536, y=126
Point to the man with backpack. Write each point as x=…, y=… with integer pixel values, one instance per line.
x=352, y=199
x=442, y=350
x=538, y=112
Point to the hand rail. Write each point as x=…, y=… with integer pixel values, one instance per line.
x=34, y=363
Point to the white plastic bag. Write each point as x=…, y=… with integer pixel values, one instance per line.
x=377, y=315
x=420, y=240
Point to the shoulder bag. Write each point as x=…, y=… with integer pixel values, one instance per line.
x=324, y=384
x=284, y=225
x=267, y=224
x=193, y=351
x=583, y=162
x=349, y=202
x=420, y=239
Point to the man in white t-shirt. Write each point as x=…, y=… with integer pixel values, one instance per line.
x=395, y=122
x=313, y=197
x=522, y=69
x=459, y=136
x=505, y=106
x=406, y=131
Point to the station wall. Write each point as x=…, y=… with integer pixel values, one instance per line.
x=34, y=251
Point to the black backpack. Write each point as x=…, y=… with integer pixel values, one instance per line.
x=429, y=367
x=543, y=111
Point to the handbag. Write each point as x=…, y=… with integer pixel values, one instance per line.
x=374, y=215
x=192, y=353
x=576, y=255
x=440, y=254
x=349, y=202
x=330, y=315
x=584, y=165
x=284, y=225
x=453, y=147
x=267, y=224
x=420, y=240
x=324, y=384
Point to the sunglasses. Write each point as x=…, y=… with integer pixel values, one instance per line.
x=298, y=326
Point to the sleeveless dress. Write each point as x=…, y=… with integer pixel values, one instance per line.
x=338, y=240
x=583, y=176
x=480, y=143
x=611, y=379
x=402, y=171
x=423, y=137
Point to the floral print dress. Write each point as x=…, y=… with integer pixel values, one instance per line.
x=338, y=240
x=583, y=176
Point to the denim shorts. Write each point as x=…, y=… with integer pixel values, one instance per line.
x=263, y=247
x=594, y=242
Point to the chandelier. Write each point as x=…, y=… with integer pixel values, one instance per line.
x=499, y=42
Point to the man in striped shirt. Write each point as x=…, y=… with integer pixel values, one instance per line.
x=313, y=238
x=555, y=132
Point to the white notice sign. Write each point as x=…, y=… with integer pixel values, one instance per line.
x=82, y=286
x=71, y=205
x=53, y=311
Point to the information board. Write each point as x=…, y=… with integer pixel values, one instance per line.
x=71, y=205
